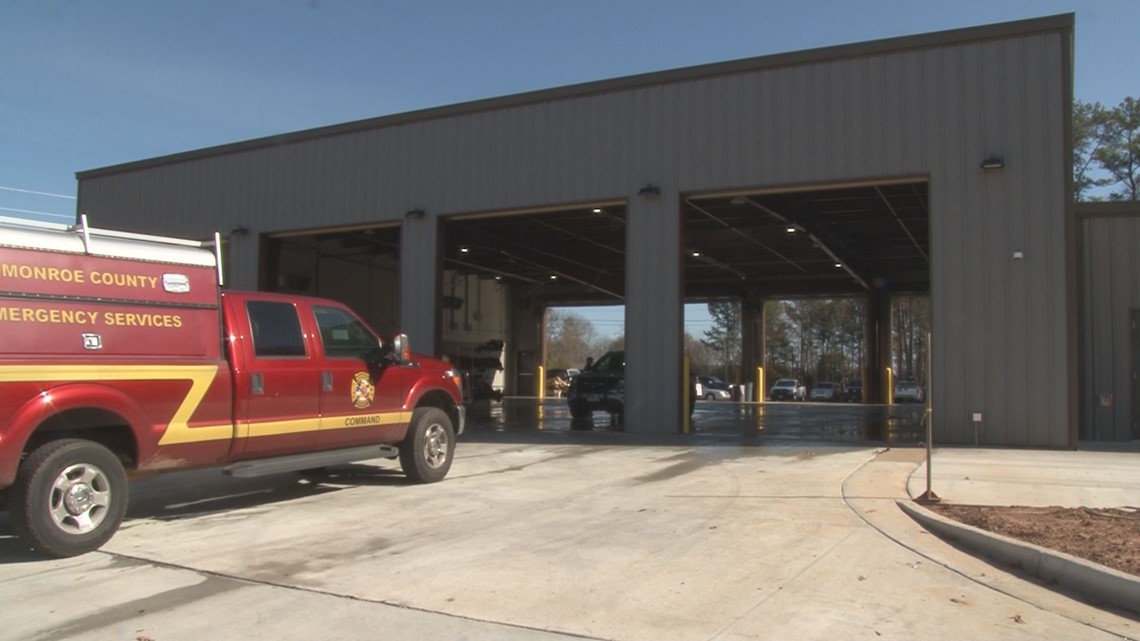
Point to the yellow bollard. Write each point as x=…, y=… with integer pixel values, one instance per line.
x=541, y=382
x=760, y=388
x=889, y=381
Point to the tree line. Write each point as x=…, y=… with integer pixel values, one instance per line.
x=814, y=340
x=1106, y=150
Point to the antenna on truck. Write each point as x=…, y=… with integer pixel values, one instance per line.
x=218, y=257
x=83, y=229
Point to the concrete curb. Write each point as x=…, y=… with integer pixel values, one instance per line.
x=1094, y=581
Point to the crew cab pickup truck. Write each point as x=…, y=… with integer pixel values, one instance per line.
x=122, y=357
x=788, y=389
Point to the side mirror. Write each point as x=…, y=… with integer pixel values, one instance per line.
x=401, y=349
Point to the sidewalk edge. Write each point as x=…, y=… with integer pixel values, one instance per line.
x=1092, y=580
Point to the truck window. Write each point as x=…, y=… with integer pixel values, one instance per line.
x=342, y=334
x=276, y=329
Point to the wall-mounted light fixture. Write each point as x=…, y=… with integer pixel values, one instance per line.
x=993, y=162
x=695, y=253
x=414, y=213
x=464, y=249
x=240, y=230
x=791, y=229
x=649, y=190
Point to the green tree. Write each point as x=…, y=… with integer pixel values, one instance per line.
x=1088, y=126
x=570, y=338
x=1119, y=150
x=724, y=336
x=701, y=357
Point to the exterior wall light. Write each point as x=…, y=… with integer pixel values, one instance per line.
x=649, y=190
x=414, y=213
x=993, y=162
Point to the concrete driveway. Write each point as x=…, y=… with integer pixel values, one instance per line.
x=547, y=536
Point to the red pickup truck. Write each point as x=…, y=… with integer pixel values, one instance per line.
x=121, y=356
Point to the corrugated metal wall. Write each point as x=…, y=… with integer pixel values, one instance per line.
x=928, y=106
x=1110, y=295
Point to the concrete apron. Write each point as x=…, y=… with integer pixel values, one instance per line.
x=602, y=541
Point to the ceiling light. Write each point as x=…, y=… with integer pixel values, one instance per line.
x=553, y=277
x=694, y=253
x=597, y=210
x=463, y=249
x=839, y=265
x=791, y=229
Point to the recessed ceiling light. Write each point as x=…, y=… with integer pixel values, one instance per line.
x=791, y=229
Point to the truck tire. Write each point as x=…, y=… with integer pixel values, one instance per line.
x=579, y=410
x=69, y=497
x=427, y=450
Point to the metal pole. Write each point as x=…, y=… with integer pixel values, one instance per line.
x=927, y=416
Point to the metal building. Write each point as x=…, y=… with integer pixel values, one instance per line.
x=945, y=157
x=1110, y=315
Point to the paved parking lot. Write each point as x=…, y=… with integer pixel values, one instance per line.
x=542, y=534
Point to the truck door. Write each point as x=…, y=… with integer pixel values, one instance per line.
x=361, y=401
x=281, y=385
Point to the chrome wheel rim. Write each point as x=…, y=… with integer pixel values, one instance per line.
x=80, y=498
x=435, y=445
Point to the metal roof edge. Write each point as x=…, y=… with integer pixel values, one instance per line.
x=1108, y=209
x=1059, y=22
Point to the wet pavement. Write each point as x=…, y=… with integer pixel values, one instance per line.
x=747, y=422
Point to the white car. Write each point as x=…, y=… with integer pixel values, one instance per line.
x=908, y=390
x=788, y=389
x=712, y=388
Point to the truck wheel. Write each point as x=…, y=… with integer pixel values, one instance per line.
x=427, y=450
x=69, y=497
x=579, y=410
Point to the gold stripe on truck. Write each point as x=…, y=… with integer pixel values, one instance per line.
x=178, y=430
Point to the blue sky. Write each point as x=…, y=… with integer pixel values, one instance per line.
x=92, y=83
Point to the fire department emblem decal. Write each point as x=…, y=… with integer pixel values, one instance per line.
x=363, y=391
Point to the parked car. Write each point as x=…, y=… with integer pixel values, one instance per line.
x=557, y=380
x=853, y=392
x=825, y=391
x=712, y=388
x=907, y=390
x=788, y=389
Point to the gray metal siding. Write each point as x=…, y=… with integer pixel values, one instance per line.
x=931, y=110
x=1110, y=274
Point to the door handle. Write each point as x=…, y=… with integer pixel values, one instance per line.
x=327, y=381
